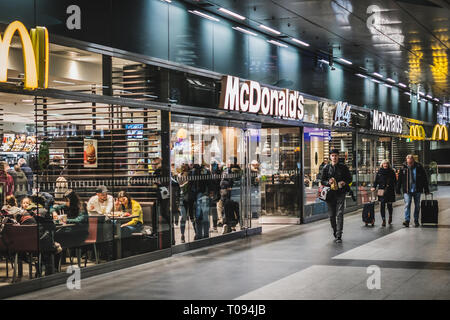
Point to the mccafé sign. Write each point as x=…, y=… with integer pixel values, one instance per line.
x=440, y=132
x=250, y=96
x=35, y=54
x=388, y=123
x=417, y=132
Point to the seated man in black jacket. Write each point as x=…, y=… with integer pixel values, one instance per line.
x=337, y=176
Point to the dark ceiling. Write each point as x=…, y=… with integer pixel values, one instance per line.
x=405, y=40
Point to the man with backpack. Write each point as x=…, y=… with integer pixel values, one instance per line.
x=337, y=176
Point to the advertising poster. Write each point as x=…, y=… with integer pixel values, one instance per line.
x=90, y=153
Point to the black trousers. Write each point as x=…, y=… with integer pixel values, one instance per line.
x=383, y=209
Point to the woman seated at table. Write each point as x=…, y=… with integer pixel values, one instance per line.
x=77, y=218
x=125, y=204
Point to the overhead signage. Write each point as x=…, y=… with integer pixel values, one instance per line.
x=382, y=121
x=251, y=97
x=342, y=114
x=440, y=132
x=416, y=132
x=35, y=54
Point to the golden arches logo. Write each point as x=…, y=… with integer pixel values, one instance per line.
x=417, y=132
x=35, y=54
x=440, y=132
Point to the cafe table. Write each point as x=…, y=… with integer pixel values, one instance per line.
x=120, y=219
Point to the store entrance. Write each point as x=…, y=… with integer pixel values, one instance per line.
x=372, y=150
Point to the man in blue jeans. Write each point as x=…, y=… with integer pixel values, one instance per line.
x=412, y=181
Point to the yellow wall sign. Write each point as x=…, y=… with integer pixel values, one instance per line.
x=440, y=132
x=35, y=54
x=417, y=132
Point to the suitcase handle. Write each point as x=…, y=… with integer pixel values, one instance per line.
x=432, y=198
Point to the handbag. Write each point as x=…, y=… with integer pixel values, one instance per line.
x=324, y=193
x=381, y=192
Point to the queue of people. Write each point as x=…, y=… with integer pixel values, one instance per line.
x=411, y=182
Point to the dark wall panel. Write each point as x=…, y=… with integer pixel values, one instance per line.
x=22, y=10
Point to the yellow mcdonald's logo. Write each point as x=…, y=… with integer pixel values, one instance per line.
x=417, y=132
x=440, y=132
x=35, y=54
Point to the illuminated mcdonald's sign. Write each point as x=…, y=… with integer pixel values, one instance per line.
x=35, y=54
x=417, y=132
x=440, y=132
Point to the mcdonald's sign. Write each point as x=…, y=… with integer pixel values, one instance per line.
x=417, y=132
x=440, y=132
x=35, y=54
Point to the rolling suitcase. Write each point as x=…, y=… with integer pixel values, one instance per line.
x=430, y=210
x=368, y=213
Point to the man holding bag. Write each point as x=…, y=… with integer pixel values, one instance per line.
x=337, y=176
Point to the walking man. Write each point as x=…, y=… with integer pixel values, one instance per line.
x=337, y=176
x=412, y=181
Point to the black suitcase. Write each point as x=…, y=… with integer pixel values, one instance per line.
x=368, y=213
x=430, y=210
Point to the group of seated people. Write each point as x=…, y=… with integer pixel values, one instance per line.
x=73, y=214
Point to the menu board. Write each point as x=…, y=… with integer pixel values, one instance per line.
x=30, y=144
x=8, y=141
x=19, y=143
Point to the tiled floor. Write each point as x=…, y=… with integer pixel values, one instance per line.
x=292, y=262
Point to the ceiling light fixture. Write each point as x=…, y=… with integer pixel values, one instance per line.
x=375, y=81
x=360, y=75
x=324, y=61
x=390, y=80
x=447, y=104
x=436, y=99
x=269, y=29
x=201, y=14
x=231, y=13
x=277, y=43
x=245, y=31
x=387, y=85
x=408, y=93
x=63, y=82
x=27, y=100
x=430, y=97
x=345, y=61
x=377, y=74
x=300, y=42
x=402, y=85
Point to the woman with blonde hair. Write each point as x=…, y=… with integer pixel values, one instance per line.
x=385, y=180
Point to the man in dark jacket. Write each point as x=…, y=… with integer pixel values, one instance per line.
x=337, y=176
x=412, y=182
x=28, y=172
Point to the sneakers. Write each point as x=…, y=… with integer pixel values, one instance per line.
x=406, y=224
x=182, y=239
x=338, y=240
x=384, y=223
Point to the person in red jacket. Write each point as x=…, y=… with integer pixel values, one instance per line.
x=6, y=179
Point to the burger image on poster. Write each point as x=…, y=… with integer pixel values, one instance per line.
x=90, y=153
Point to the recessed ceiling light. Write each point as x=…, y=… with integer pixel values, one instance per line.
x=375, y=81
x=430, y=97
x=390, y=80
x=447, y=104
x=204, y=15
x=436, y=99
x=324, y=61
x=63, y=82
x=408, y=93
x=364, y=69
x=300, y=42
x=27, y=100
x=377, y=74
x=269, y=29
x=421, y=93
x=277, y=43
x=245, y=31
x=231, y=13
x=360, y=75
x=387, y=85
x=345, y=61
x=402, y=85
